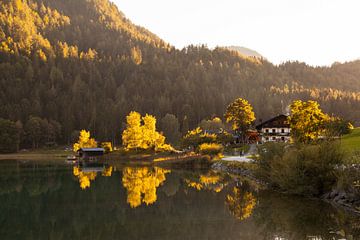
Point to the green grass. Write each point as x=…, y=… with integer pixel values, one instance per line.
x=351, y=142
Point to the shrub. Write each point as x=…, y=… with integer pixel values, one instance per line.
x=196, y=137
x=300, y=169
x=107, y=146
x=212, y=149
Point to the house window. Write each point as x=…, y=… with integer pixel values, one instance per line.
x=274, y=138
x=267, y=139
x=274, y=130
x=282, y=130
x=282, y=139
x=267, y=130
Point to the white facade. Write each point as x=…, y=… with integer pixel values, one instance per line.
x=275, y=134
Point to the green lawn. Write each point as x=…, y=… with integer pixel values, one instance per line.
x=351, y=142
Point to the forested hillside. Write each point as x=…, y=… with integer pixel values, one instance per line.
x=81, y=64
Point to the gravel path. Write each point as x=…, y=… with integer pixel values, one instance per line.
x=244, y=158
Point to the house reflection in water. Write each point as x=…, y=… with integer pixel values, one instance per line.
x=88, y=173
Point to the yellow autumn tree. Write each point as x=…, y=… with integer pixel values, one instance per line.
x=307, y=121
x=143, y=136
x=240, y=114
x=132, y=136
x=107, y=146
x=141, y=184
x=84, y=141
x=149, y=131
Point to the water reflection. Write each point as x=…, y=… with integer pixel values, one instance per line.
x=285, y=217
x=87, y=174
x=241, y=202
x=141, y=184
x=45, y=202
x=209, y=181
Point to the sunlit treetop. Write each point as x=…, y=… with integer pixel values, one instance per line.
x=240, y=114
x=84, y=141
x=307, y=121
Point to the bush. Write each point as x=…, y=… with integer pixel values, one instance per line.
x=300, y=169
x=107, y=146
x=212, y=149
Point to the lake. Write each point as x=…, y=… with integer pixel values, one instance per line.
x=51, y=200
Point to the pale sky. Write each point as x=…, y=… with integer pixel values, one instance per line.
x=318, y=32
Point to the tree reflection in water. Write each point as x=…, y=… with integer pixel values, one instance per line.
x=241, y=202
x=85, y=177
x=141, y=184
x=42, y=201
x=209, y=181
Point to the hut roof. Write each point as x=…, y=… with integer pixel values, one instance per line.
x=92, y=150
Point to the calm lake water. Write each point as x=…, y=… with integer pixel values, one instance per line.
x=57, y=201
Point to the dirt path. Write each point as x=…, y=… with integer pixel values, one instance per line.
x=244, y=158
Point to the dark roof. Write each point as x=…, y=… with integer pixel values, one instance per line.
x=92, y=150
x=279, y=121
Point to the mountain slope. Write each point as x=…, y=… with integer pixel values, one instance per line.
x=83, y=65
x=245, y=51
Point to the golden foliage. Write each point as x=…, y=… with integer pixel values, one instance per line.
x=84, y=177
x=107, y=172
x=241, y=203
x=84, y=141
x=24, y=21
x=211, y=148
x=307, y=121
x=136, y=55
x=132, y=135
x=240, y=114
x=141, y=184
x=196, y=137
x=193, y=132
x=138, y=136
x=107, y=146
x=209, y=181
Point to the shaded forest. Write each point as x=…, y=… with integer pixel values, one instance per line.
x=70, y=65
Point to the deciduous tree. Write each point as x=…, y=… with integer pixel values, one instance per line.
x=240, y=114
x=307, y=121
x=84, y=141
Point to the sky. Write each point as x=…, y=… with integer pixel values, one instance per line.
x=318, y=32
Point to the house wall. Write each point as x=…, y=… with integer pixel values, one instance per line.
x=275, y=139
x=277, y=130
x=275, y=134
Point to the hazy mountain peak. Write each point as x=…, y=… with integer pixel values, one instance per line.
x=245, y=51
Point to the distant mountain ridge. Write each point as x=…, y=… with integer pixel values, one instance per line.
x=245, y=51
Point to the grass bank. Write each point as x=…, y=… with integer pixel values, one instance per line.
x=39, y=154
x=350, y=143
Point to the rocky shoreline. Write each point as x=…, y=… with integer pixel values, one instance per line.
x=347, y=200
x=339, y=198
